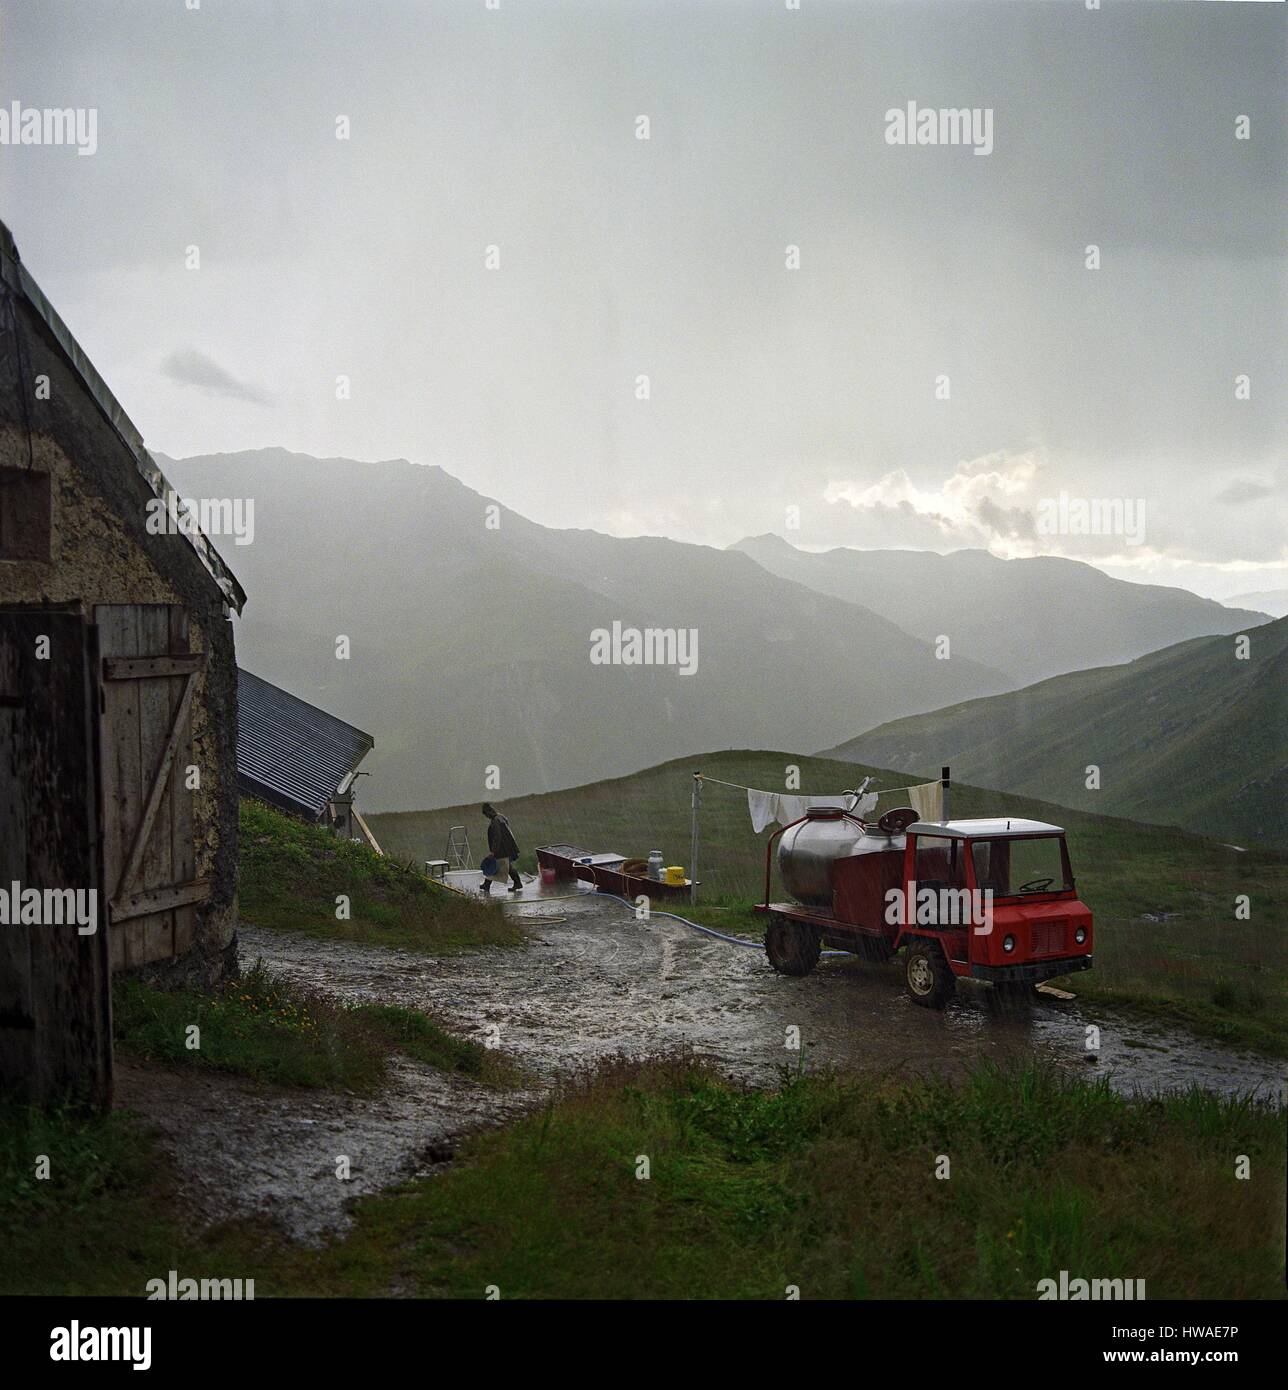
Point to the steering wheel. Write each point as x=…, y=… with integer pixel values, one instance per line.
x=895, y=822
x=1036, y=885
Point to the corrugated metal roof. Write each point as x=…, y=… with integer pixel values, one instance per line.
x=289, y=752
x=20, y=281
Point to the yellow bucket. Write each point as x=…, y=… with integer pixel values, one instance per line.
x=674, y=875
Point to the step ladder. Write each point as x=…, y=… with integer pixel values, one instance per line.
x=458, y=853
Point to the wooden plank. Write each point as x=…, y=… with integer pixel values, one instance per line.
x=185, y=929
x=366, y=830
x=16, y=1008
x=138, y=668
x=118, y=635
x=150, y=864
x=156, y=795
x=61, y=1046
x=154, y=936
x=171, y=895
x=182, y=815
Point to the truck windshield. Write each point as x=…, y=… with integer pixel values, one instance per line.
x=1034, y=864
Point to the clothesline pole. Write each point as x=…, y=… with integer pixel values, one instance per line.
x=943, y=777
x=693, y=839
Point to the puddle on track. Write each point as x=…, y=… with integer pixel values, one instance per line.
x=599, y=983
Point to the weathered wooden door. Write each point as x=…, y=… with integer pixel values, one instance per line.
x=149, y=677
x=55, y=985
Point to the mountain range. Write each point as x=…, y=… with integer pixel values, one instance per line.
x=1194, y=736
x=470, y=629
x=1272, y=601
x=1029, y=618
x=470, y=634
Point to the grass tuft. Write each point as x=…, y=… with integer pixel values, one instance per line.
x=265, y=1028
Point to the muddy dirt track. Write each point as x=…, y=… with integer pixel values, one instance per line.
x=591, y=982
x=600, y=982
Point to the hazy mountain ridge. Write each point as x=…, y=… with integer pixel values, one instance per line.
x=1189, y=736
x=1272, y=601
x=470, y=647
x=1029, y=618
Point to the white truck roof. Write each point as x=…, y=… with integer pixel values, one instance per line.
x=995, y=828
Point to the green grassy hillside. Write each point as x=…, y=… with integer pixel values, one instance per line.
x=1188, y=736
x=1226, y=976
x=291, y=875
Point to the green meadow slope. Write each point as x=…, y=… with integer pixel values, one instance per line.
x=1164, y=899
x=292, y=876
x=1189, y=736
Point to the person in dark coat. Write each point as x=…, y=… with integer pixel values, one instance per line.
x=504, y=848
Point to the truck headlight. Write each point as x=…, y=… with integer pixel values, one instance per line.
x=1008, y=943
x=1080, y=935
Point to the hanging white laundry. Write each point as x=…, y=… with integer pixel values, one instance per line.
x=763, y=807
x=927, y=800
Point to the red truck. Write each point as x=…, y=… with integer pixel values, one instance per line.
x=991, y=900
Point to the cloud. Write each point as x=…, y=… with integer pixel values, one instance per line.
x=981, y=503
x=1006, y=523
x=1240, y=490
x=193, y=368
x=1003, y=501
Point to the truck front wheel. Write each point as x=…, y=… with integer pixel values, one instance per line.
x=793, y=948
x=929, y=980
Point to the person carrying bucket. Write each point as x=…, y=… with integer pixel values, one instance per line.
x=503, y=850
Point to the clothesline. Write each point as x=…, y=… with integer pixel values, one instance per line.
x=927, y=800
x=788, y=807
x=739, y=786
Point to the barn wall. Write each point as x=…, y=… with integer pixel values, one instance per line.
x=102, y=553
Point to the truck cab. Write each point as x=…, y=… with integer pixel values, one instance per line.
x=991, y=900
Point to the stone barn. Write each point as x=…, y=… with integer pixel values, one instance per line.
x=118, y=714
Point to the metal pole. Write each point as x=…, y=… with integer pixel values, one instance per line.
x=943, y=777
x=693, y=839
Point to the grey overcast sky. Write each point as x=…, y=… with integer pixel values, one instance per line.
x=619, y=257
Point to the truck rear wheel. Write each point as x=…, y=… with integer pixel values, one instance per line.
x=929, y=980
x=793, y=948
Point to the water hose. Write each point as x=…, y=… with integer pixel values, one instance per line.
x=653, y=912
x=706, y=931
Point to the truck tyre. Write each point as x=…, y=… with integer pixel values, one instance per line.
x=927, y=976
x=793, y=948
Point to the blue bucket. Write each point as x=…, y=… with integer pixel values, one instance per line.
x=488, y=866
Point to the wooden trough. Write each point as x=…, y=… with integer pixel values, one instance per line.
x=607, y=872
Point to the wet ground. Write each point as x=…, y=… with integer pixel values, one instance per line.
x=594, y=981
x=243, y=1149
